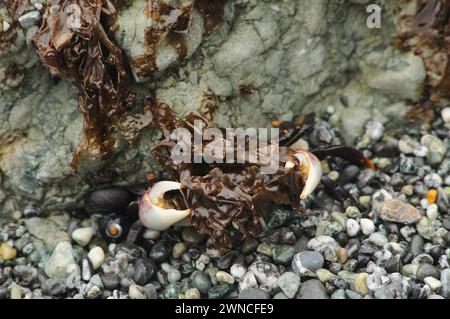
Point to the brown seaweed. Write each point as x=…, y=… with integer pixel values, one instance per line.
x=428, y=35
x=224, y=196
x=75, y=43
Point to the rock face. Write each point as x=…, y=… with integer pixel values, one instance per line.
x=280, y=58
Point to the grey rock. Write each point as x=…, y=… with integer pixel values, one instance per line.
x=144, y=269
x=253, y=293
x=312, y=289
x=47, y=231
x=54, y=287
x=61, y=257
x=265, y=273
x=427, y=270
x=310, y=260
x=445, y=281
x=289, y=283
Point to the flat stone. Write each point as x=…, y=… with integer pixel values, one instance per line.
x=397, y=211
x=289, y=283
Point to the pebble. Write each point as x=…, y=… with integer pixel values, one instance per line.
x=266, y=273
x=360, y=283
x=136, y=292
x=83, y=236
x=367, y=226
x=60, y=259
x=324, y=275
x=289, y=283
x=223, y=276
x=96, y=256
x=7, y=252
x=191, y=236
x=312, y=289
x=144, y=269
x=53, y=287
x=179, y=249
x=397, y=211
x=437, y=148
x=192, y=293
x=384, y=293
x=173, y=275
x=16, y=292
x=220, y=291
x=201, y=281
x=249, y=245
x=110, y=281
x=434, y=283
x=310, y=260
x=445, y=281
x=226, y=260
x=352, y=227
x=283, y=254
x=253, y=293
x=160, y=251
x=29, y=19
x=378, y=239
x=432, y=212
x=237, y=271
x=445, y=114
x=248, y=281
x=426, y=270
x=320, y=242
x=424, y=228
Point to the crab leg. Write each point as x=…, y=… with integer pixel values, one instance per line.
x=310, y=169
x=348, y=153
x=153, y=211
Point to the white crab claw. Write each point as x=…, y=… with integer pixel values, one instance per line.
x=153, y=211
x=310, y=168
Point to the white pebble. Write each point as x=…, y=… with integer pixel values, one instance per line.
x=223, y=276
x=83, y=236
x=136, y=292
x=367, y=226
x=434, y=283
x=192, y=293
x=237, y=271
x=432, y=212
x=421, y=151
x=352, y=227
x=97, y=257
x=151, y=234
x=248, y=281
x=445, y=113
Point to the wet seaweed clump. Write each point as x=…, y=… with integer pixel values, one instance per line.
x=75, y=43
x=426, y=32
x=224, y=197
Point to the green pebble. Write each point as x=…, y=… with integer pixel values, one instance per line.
x=173, y=290
x=201, y=281
x=277, y=217
x=283, y=254
x=220, y=291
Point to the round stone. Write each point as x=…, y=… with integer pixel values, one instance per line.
x=360, y=284
x=352, y=227
x=136, y=292
x=220, y=291
x=427, y=270
x=378, y=239
x=367, y=226
x=83, y=236
x=192, y=236
x=310, y=260
x=96, y=256
x=201, y=281
x=160, y=251
x=144, y=269
x=434, y=283
x=312, y=289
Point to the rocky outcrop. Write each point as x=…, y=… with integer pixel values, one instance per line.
x=266, y=60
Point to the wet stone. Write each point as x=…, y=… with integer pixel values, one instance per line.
x=160, y=251
x=277, y=217
x=202, y=282
x=310, y=260
x=192, y=236
x=110, y=281
x=226, y=260
x=312, y=289
x=282, y=255
x=220, y=291
x=144, y=269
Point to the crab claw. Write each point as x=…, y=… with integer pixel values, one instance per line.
x=310, y=169
x=153, y=211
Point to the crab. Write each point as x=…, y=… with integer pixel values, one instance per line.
x=214, y=197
